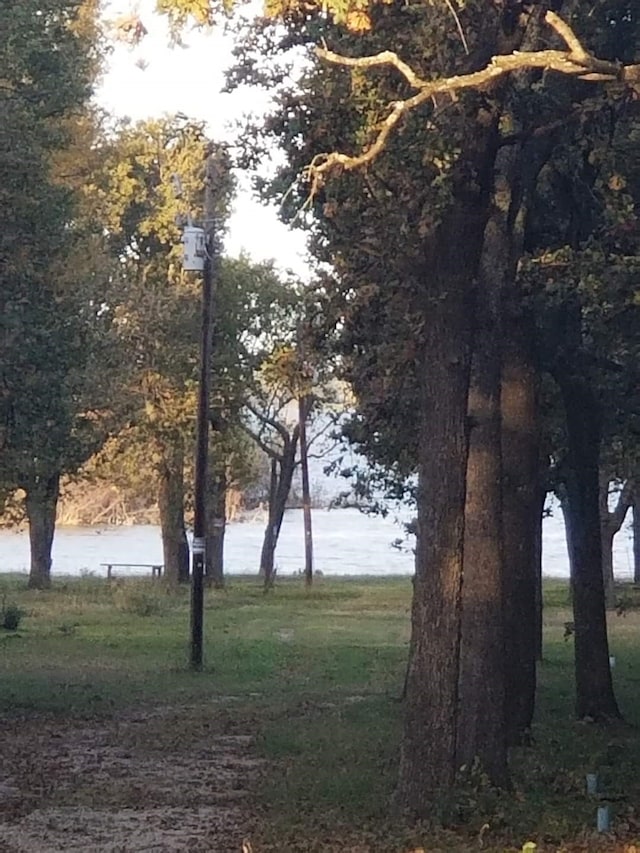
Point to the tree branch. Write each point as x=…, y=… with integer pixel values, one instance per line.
x=271, y=452
x=625, y=499
x=565, y=32
x=265, y=419
x=576, y=62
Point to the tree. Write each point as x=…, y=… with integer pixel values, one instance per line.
x=420, y=227
x=585, y=285
x=275, y=424
x=52, y=262
x=152, y=175
x=253, y=312
x=337, y=114
x=610, y=523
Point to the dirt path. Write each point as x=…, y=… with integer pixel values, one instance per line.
x=166, y=780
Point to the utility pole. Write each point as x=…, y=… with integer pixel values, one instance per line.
x=209, y=273
x=304, y=400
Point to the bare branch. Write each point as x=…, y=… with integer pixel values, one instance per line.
x=576, y=62
x=272, y=422
x=565, y=32
x=458, y=25
x=387, y=57
x=271, y=452
x=331, y=422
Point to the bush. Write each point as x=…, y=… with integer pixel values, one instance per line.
x=140, y=599
x=11, y=616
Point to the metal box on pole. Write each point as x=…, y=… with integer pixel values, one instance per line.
x=194, y=250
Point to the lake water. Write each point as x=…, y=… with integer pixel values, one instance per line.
x=346, y=542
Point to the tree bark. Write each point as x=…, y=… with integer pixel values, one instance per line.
x=522, y=516
x=41, y=503
x=481, y=731
x=216, y=528
x=595, y=698
x=481, y=727
x=444, y=636
x=281, y=477
x=175, y=545
x=428, y=760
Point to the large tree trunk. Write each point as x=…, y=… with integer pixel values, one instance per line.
x=481, y=730
x=437, y=677
x=481, y=727
x=595, y=698
x=428, y=754
x=281, y=477
x=217, y=512
x=428, y=750
x=522, y=517
x=41, y=503
x=175, y=545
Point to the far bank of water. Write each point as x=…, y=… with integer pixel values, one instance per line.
x=346, y=542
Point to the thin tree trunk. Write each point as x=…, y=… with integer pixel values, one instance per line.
x=270, y=536
x=41, y=503
x=563, y=497
x=595, y=698
x=606, y=535
x=175, y=545
x=522, y=518
x=281, y=478
x=537, y=562
x=636, y=540
x=610, y=523
x=214, y=551
x=303, y=410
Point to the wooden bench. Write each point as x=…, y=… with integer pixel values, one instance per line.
x=156, y=568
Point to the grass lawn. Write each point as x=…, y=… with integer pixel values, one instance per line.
x=315, y=678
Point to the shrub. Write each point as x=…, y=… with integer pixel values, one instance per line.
x=11, y=616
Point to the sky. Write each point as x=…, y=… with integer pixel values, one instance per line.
x=155, y=78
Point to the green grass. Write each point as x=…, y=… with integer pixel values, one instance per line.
x=317, y=675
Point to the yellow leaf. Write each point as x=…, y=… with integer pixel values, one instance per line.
x=358, y=21
x=617, y=183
